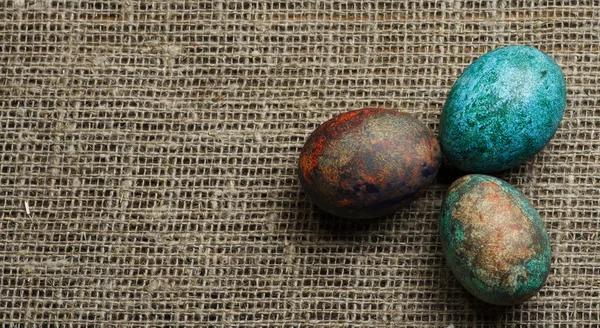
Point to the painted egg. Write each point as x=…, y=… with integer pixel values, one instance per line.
x=502, y=110
x=368, y=163
x=494, y=240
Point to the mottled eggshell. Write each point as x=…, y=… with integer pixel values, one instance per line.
x=494, y=240
x=368, y=163
x=502, y=110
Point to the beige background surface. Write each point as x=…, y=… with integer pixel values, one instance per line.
x=154, y=144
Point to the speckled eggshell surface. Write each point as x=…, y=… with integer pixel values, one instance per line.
x=368, y=163
x=494, y=241
x=502, y=110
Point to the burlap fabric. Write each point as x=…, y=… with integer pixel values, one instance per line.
x=149, y=152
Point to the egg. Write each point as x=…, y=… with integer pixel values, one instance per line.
x=502, y=110
x=368, y=163
x=494, y=240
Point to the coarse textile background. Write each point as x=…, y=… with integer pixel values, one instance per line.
x=148, y=172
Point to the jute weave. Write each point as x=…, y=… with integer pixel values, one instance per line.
x=148, y=154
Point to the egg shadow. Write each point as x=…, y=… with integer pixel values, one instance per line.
x=447, y=174
x=469, y=305
x=339, y=228
x=489, y=311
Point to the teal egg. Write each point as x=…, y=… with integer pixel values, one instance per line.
x=493, y=240
x=502, y=110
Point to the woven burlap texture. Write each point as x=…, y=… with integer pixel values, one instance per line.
x=148, y=172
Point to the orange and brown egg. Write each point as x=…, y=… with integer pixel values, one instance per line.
x=368, y=163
